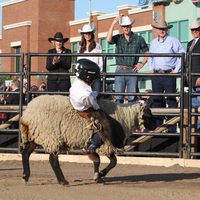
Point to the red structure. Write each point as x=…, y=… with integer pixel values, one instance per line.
x=27, y=24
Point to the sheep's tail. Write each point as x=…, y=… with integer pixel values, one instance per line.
x=24, y=131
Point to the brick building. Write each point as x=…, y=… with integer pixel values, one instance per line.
x=27, y=24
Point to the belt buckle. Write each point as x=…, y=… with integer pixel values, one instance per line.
x=125, y=67
x=161, y=71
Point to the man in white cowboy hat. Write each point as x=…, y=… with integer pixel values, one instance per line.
x=127, y=43
x=164, y=43
x=88, y=45
x=194, y=47
x=60, y=64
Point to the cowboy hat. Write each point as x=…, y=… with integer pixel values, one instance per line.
x=195, y=24
x=58, y=37
x=161, y=25
x=87, y=28
x=126, y=21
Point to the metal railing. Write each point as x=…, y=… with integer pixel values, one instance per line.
x=18, y=111
x=183, y=147
x=105, y=75
x=192, y=136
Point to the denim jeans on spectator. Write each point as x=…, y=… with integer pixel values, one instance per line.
x=125, y=84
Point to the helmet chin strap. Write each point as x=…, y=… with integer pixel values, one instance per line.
x=85, y=81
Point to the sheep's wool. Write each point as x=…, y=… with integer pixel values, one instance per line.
x=51, y=121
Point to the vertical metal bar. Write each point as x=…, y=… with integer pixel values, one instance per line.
x=104, y=76
x=181, y=106
x=21, y=67
x=189, y=104
x=28, y=77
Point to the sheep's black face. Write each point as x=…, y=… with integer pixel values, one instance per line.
x=149, y=120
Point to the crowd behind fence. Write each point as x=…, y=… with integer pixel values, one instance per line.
x=184, y=115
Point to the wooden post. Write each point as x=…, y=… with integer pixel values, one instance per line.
x=193, y=129
x=185, y=126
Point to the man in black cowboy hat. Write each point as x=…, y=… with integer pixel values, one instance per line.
x=58, y=64
x=164, y=43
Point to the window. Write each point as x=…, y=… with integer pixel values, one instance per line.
x=17, y=50
x=180, y=31
x=108, y=48
x=142, y=83
x=74, y=48
x=147, y=35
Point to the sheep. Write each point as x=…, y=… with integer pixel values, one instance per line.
x=51, y=121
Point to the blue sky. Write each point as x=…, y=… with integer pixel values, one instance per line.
x=82, y=7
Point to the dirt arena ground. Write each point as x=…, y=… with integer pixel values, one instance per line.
x=124, y=182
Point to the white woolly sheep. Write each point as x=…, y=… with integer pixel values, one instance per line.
x=51, y=121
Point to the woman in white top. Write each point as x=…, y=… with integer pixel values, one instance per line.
x=89, y=45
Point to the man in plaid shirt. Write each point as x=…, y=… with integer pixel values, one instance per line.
x=127, y=43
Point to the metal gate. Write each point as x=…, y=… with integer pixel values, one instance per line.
x=182, y=115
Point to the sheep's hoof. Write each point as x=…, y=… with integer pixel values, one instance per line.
x=97, y=178
x=25, y=179
x=102, y=174
x=25, y=182
x=64, y=183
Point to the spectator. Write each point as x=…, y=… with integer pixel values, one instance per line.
x=164, y=43
x=3, y=116
x=194, y=47
x=127, y=43
x=58, y=64
x=34, y=88
x=89, y=45
x=42, y=87
x=14, y=99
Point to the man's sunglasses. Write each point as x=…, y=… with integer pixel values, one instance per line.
x=87, y=33
x=128, y=26
x=196, y=29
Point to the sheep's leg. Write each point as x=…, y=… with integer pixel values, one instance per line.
x=53, y=159
x=96, y=163
x=26, y=152
x=112, y=164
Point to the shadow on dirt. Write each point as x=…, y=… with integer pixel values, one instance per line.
x=10, y=169
x=169, y=177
